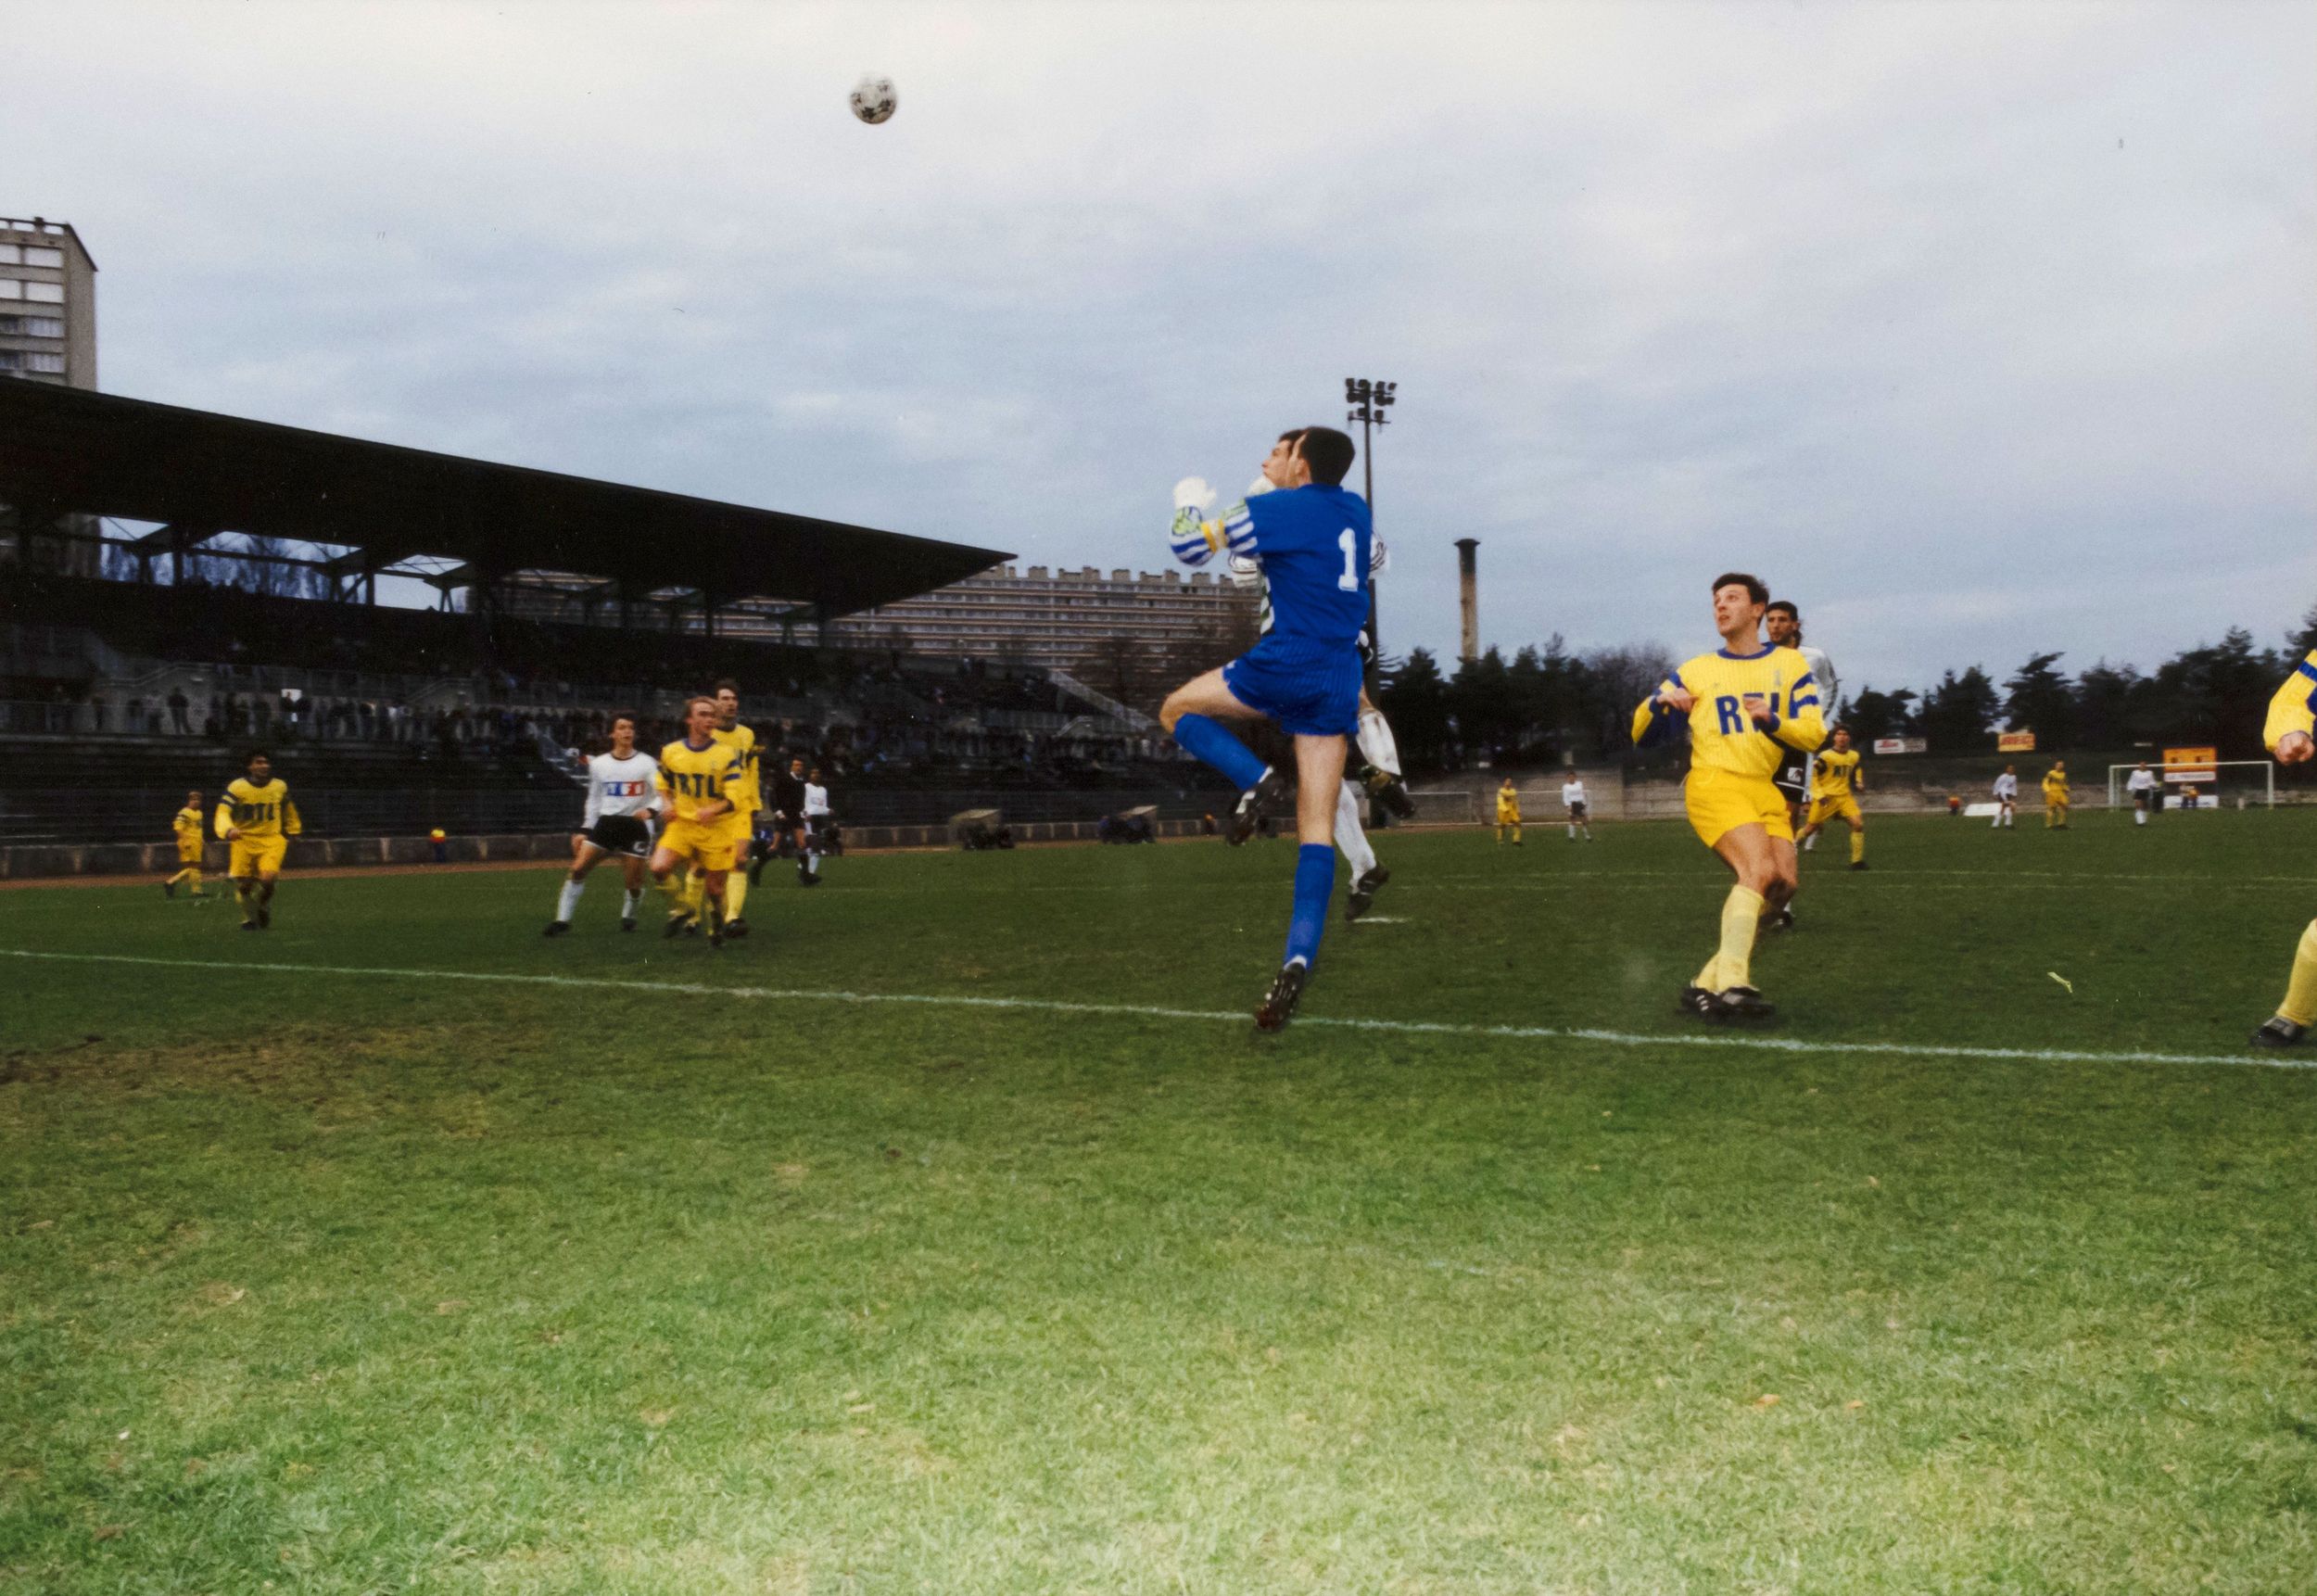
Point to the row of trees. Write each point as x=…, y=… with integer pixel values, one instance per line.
x=1547, y=705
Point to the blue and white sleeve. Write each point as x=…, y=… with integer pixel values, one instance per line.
x=1196, y=540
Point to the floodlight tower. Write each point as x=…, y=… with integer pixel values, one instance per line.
x=1369, y=398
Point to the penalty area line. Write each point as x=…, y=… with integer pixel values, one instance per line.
x=1153, y=1012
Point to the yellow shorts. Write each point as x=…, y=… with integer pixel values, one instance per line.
x=1721, y=801
x=257, y=856
x=1508, y=816
x=1841, y=805
x=708, y=846
x=189, y=853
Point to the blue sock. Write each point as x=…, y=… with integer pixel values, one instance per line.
x=1212, y=741
x=1315, y=882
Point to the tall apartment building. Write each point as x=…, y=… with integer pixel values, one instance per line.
x=1055, y=618
x=47, y=303
x=48, y=334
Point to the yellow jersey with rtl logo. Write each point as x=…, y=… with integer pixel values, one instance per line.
x=1723, y=733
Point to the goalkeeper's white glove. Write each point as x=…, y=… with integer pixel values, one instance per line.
x=1261, y=486
x=1192, y=493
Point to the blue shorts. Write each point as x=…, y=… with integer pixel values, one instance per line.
x=1310, y=688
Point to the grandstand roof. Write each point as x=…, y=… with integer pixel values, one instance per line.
x=65, y=449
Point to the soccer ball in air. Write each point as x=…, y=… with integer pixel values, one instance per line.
x=874, y=100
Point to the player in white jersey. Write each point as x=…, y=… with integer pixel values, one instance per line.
x=818, y=815
x=1573, y=799
x=1797, y=776
x=2141, y=784
x=2006, y=795
x=1378, y=746
x=621, y=797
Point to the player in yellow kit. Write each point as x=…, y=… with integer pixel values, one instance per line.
x=1746, y=703
x=258, y=818
x=2291, y=735
x=747, y=798
x=1508, y=812
x=2056, y=796
x=1835, y=782
x=696, y=778
x=188, y=825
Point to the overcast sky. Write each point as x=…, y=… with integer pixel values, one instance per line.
x=1978, y=330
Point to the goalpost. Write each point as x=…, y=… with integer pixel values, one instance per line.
x=1452, y=808
x=2224, y=784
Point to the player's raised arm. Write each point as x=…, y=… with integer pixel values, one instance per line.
x=223, y=822
x=2291, y=731
x=1196, y=539
x=293, y=823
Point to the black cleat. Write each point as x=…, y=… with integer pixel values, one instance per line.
x=250, y=924
x=169, y=889
x=2279, y=1031
x=735, y=927
x=628, y=925
x=809, y=878
x=1363, y=891
x=1698, y=1001
x=1779, y=920
x=557, y=928
x=1279, y=1005
x=675, y=924
x=1267, y=797
x=1392, y=792
x=265, y=916
x=1859, y=864
x=715, y=931
x=1742, y=1003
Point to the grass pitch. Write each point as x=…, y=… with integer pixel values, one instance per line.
x=349, y=1277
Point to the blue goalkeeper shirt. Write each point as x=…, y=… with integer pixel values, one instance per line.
x=1315, y=544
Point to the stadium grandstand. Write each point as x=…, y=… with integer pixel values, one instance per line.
x=177, y=584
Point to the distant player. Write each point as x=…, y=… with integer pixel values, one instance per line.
x=257, y=817
x=747, y=798
x=1782, y=624
x=1573, y=800
x=2056, y=796
x=1747, y=705
x=817, y=818
x=1314, y=540
x=623, y=786
x=2141, y=784
x=1508, y=812
x=2007, y=791
x=189, y=825
x=698, y=782
x=1835, y=780
x=2291, y=735
x=788, y=810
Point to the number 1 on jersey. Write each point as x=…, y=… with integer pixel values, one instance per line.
x=1349, y=543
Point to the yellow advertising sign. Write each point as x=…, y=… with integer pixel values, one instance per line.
x=2015, y=743
x=2191, y=764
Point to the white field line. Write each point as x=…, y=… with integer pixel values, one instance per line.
x=1232, y=1016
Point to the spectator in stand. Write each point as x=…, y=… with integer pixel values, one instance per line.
x=212, y=728
x=178, y=704
x=97, y=708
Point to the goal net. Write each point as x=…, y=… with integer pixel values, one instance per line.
x=2224, y=784
x=1446, y=809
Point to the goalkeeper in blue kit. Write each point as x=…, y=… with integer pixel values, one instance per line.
x=1313, y=538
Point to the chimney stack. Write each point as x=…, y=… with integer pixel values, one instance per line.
x=1468, y=584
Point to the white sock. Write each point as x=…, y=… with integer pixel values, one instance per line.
x=630, y=904
x=812, y=863
x=570, y=899
x=2140, y=817
x=1378, y=746
x=1350, y=838
x=1810, y=841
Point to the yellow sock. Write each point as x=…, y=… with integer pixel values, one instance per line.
x=175, y=879
x=2300, y=992
x=242, y=896
x=1858, y=846
x=1709, y=979
x=695, y=894
x=735, y=894
x=1734, y=964
x=196, y=874
x=673, y=887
